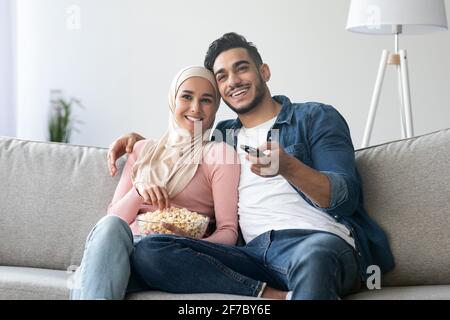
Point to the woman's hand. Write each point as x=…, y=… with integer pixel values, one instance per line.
x=154, y=195
x=118, y=148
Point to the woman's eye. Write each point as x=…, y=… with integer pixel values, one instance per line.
x=187, y=97
x=206, y=101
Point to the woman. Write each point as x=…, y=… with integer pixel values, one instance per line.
x=183, y=169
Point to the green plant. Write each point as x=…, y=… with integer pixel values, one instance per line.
x=62, y=121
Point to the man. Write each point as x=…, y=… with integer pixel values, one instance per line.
x=303, y=221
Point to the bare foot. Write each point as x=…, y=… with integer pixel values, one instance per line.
x=271, y=293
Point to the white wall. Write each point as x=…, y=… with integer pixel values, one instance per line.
x=121, y=61
x=7, y=93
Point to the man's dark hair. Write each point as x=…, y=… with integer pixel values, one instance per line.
x=229, y=41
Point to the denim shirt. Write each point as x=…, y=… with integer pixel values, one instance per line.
x=317, y=135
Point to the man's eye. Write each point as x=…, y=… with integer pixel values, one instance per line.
x=243, y=68
x=220, y=78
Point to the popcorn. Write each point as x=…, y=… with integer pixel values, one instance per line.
x=192, y=223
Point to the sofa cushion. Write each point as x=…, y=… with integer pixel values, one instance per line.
x=406, y=186
x=51, y=195
x=33, y=284
x=42, y=284
x=439, y=292
x=159, y=295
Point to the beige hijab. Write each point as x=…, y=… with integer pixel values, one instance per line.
x=171, y=162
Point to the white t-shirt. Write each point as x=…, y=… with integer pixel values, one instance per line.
x=272, y=203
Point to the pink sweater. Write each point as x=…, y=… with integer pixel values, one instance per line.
x=213, y=191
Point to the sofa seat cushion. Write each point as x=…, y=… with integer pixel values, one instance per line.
x=33, y=284
x=18, y=283
x=159, y=295
x=437, y=292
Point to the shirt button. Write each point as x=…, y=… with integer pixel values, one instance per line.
x=336, y=216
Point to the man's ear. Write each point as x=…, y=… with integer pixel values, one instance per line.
x=265, y=72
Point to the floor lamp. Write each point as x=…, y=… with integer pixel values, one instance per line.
x=395, y=18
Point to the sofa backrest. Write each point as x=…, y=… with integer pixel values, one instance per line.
x=406, y=187
x=51, y=195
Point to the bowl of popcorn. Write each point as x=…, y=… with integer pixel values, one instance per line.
x=191, y=224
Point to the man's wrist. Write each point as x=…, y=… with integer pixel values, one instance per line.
x=289, y=167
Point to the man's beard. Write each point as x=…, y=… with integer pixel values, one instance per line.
x=260, y=91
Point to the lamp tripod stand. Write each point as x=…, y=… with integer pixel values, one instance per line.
x=397, y=59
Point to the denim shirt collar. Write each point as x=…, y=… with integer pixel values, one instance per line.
x=285, y=115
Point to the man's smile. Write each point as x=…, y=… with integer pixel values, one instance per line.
x=240, y=93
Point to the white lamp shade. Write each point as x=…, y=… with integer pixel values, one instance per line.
x=379, y=16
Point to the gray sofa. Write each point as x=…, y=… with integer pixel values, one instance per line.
x=52, y=194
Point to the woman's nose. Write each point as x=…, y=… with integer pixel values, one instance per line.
x=195, y=106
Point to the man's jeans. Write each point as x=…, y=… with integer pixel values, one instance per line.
x=312, y=264
x=105, y=268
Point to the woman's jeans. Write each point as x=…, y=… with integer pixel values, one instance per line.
x=105, y=268
x=312, y=264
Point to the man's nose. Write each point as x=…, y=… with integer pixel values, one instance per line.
x=234, y=80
